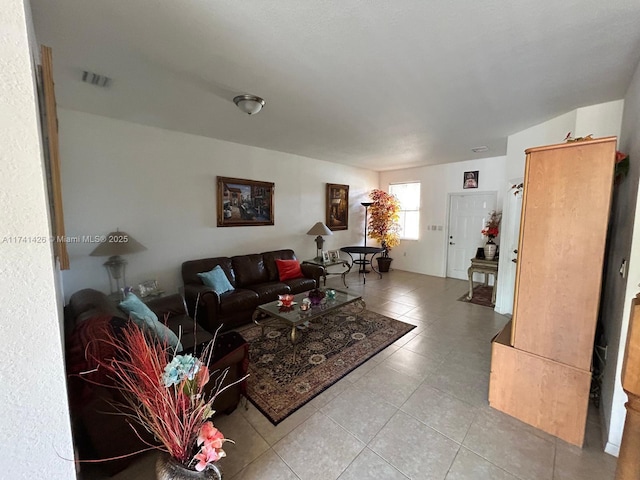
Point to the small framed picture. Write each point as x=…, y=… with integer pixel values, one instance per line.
x=334, y=255
x=325, y=256
x=470, y=179
x=149, y=288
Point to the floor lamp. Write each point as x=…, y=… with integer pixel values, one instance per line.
x=366, y=206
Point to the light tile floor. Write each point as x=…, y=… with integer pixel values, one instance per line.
x=417, y=410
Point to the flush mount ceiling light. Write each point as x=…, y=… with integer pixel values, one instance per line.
x=249, y=103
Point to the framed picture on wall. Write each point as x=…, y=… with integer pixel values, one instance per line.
x=337, y=207
x=470, y=179
x=244, y=202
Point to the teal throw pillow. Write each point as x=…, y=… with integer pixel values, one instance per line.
x=217, y=280
x=156, y=329
x=132, y=304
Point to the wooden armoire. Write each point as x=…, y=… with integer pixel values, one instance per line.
x=541, y=360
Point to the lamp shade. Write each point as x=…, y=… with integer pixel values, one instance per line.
x=249, y=103
x=117, y=243
x=319, y=229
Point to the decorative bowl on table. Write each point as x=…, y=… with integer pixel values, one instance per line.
x=316, y=296
x=285, y=302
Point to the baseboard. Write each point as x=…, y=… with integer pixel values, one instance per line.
x=610, y=448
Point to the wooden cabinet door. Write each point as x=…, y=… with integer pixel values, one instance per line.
x=566, y=203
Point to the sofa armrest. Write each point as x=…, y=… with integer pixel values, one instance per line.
x=203, y=304
x=310, y=270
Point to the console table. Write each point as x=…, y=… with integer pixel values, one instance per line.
x=488, y=267
x=362, y=259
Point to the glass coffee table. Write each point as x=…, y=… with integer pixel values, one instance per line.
x=270, y=313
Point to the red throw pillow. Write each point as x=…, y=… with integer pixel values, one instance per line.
x=289, y=269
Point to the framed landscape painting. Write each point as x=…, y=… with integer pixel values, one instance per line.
x=337, y=206
x=244, y=202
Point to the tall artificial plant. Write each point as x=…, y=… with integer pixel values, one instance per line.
x=384, y=217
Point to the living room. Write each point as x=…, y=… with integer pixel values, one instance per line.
x=159, y=186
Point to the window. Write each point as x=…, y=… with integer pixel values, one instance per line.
x=409, y=196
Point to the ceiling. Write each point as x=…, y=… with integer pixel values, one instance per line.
x=369, y=83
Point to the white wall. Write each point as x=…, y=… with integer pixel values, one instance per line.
x=36, y=435
x=601, y=120
x=160, y=187
x=624, y=238
x=546, y=133
x=428, y=254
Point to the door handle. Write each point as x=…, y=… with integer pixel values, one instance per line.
x=451, y=243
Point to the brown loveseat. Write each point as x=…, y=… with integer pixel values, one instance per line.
x=255, y=280
x=99, y=433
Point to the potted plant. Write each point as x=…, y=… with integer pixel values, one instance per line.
x=384, y=224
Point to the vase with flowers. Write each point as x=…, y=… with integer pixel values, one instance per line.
x=491, y=231
x=171, y=397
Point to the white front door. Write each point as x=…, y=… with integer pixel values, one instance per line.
x=468, y=214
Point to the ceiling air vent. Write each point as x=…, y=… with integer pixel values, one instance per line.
x=95, y=79
x=482, y=148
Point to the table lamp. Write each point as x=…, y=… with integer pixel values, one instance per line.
x=319, y=229
x=116, y=244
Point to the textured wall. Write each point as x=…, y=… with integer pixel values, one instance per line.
x=625, y=244
x=428, y=254
x=160, y=187
x=35, y=419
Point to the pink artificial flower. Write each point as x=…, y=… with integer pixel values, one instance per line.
x=207, y=455
x=202, y=377
x=210, y=436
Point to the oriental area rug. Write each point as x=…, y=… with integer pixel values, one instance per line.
x=328, y=348
x=481, y=296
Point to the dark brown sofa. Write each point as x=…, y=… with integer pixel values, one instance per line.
x=255, y=281
x=99, y=433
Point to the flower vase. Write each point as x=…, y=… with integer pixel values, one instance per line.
x=168, y=468
x=490, y=249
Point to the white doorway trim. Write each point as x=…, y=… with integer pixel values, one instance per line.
x=510, y=233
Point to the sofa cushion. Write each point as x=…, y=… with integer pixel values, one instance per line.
x=89, y=343
x=192, y=268
x=216, y=279
x=238, y=300
x=299, y=285
x=132, y=304
x=155, y=329
x=268, y=292
x=190, y=334
x=288, y=269
x=270, y=262
x=249, y=269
